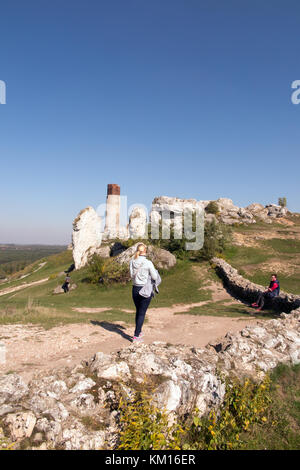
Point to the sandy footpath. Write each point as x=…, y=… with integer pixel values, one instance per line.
x=30, y=348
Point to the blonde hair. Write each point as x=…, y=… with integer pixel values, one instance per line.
x=141, y=248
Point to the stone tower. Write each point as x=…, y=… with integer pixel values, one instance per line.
x=112, y=215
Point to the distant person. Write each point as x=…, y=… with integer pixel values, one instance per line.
x=140, y=269
x=271, y=292
x=66, y=284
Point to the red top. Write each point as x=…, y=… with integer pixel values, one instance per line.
x=274, y=286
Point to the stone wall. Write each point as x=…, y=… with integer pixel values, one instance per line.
x=248, y=291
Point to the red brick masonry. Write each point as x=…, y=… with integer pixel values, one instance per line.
x=113, y=189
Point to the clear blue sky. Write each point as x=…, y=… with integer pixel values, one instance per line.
x=186, y=98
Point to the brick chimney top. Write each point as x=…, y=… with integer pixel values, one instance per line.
x=113, y=189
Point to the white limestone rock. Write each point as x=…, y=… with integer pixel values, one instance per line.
x=86, y=237
x=162, y=259
x=12, y=388
x=83, y=385
x=20, y=425
x=138, y=223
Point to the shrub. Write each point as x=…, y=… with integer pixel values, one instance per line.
x=245, y=404
x=107, y=271
x=145, y=427
x=212, y=208
x=282, y=201
x=216, y=239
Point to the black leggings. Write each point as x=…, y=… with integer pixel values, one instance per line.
x=141, y=304
x=262, y=297
x=65, y=287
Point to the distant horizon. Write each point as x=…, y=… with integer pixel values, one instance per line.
x=29, y=244
x=67, y=243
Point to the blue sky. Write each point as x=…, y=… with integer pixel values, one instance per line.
x=185, y=98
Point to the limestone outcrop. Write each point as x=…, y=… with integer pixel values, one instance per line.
x=86, y=237
x=59, y=289
x=138, y=223
x=165, y=212
x=227, y=212
x=249, y=291
x=171, y=210
x=77, y=408
x=162, y=259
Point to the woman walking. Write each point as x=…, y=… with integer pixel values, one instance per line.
x=140, y=269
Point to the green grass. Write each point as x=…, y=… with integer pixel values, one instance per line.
x=240, y=256
x=54, y=265
x=180, y=285
x=248, y=260
x=16, y=257
x=288, y=284
x=221, y=309
x=283, y=246
x=38, y=304
x=49, y=318
x=283, y=432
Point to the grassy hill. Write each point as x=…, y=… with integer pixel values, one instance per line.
x=261, y=249
x=256, y=251
x=14, y=258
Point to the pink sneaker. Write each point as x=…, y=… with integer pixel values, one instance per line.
x=137, y=339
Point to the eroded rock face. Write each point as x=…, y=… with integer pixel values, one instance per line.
x=86, y=237
x=12, y=388
x=162, y=259
x=228, y=212
x=59, y=289
x=78, y=408
x=138, y=223
x=276, y=211
x=171, y=210
x=20, y=424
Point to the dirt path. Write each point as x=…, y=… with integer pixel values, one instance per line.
x=11, y=290
x=30, y=348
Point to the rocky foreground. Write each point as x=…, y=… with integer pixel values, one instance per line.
x=78, y=408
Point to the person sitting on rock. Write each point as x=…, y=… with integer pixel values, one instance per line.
x=66, y=284
x=272, y=291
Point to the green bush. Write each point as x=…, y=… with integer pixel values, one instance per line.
x=245, y=404
x=216, y=239
x=212, y=208
x=107, y=271
x=282, y=201
x=145, y=427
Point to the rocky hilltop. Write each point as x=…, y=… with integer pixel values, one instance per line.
x=87, y=236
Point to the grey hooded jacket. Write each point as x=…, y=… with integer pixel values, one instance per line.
x=144, y=274
x=140, y=269
x=151, y=286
